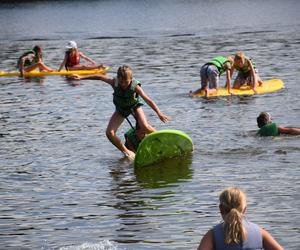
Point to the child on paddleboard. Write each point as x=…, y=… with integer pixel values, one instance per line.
x=31, y=60
x=72, y=59
x=127, y=99
x=236, y=232
x=247, y=73
x=268, y=128
x=210, y=74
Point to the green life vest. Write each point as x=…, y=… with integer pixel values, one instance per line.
x=131, y=135
x=246, y=68
x=269, y=129
x=125, y=100
x=221, y=63
x=28, y=62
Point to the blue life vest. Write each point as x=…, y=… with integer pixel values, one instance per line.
x=254, y=238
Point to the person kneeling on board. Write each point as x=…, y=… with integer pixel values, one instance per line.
x=127, y=99
x=210, y=74
x=31, y=60
x=247, y=72
x=268, y=128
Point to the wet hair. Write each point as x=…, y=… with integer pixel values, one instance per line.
x=124, y=73
x=38, y=50
x=232, y=206
x=239, y=56
x=263, y=119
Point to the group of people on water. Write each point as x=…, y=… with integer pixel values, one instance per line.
x=235, y=232
x=33, y=59
x=211, y=71
x=128, y=93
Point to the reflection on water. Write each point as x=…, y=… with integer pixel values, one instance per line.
x=165, y=173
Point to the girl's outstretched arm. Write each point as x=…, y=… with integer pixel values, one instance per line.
x=100, y=77
x=152, y=104
x=87, y=58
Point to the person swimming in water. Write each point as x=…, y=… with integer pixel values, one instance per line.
x=268, y=128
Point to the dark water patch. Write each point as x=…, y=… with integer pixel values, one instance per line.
x=112, y=37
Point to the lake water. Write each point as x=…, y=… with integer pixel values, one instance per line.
x=64, y=186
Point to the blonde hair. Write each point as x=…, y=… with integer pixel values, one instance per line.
x=239, y=56
x=232, y=206
x=124, y=73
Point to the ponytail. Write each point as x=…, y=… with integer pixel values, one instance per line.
x=232, y=205
x=233, y=227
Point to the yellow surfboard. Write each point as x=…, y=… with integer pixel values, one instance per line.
x=268, y=86
x=62, y=72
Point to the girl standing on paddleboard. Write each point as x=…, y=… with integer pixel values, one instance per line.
x=127, y=99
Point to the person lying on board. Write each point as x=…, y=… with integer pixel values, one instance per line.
x=210, y=74
x=72, y=59
x=236, y=232
x=133, y=138
x=127, y=99
x=247, y=72
x=31, y=60
x=268, y=128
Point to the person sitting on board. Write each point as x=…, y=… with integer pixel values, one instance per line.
x=127, y=99
x=268, y=128
x=247, y=72
x=31, y=60
x=72, y=59
x=133, y=138
x=235, y=232
x=210, y=74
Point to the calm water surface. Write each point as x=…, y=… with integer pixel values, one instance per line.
x=63, y=185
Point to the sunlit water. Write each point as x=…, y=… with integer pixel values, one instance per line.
x=64, y=186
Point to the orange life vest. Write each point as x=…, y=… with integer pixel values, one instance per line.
x=72, y=59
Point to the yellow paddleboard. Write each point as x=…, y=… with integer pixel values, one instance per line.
x=62, y=72
x=268, y=86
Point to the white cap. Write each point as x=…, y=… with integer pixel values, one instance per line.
x=71, y=45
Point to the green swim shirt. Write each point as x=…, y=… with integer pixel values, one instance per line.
x=269, y=129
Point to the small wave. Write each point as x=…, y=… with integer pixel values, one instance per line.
x=111, y=37
x=103, y=245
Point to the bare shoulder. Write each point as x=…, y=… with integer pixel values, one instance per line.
x=269, y=243
x=206, y=242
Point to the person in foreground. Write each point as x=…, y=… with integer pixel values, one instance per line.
x=210, y=74
x=268, y=128
x=247, y=73
x=72, y=59
x=235, y=232
x=31, y=60
x=126, y=97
